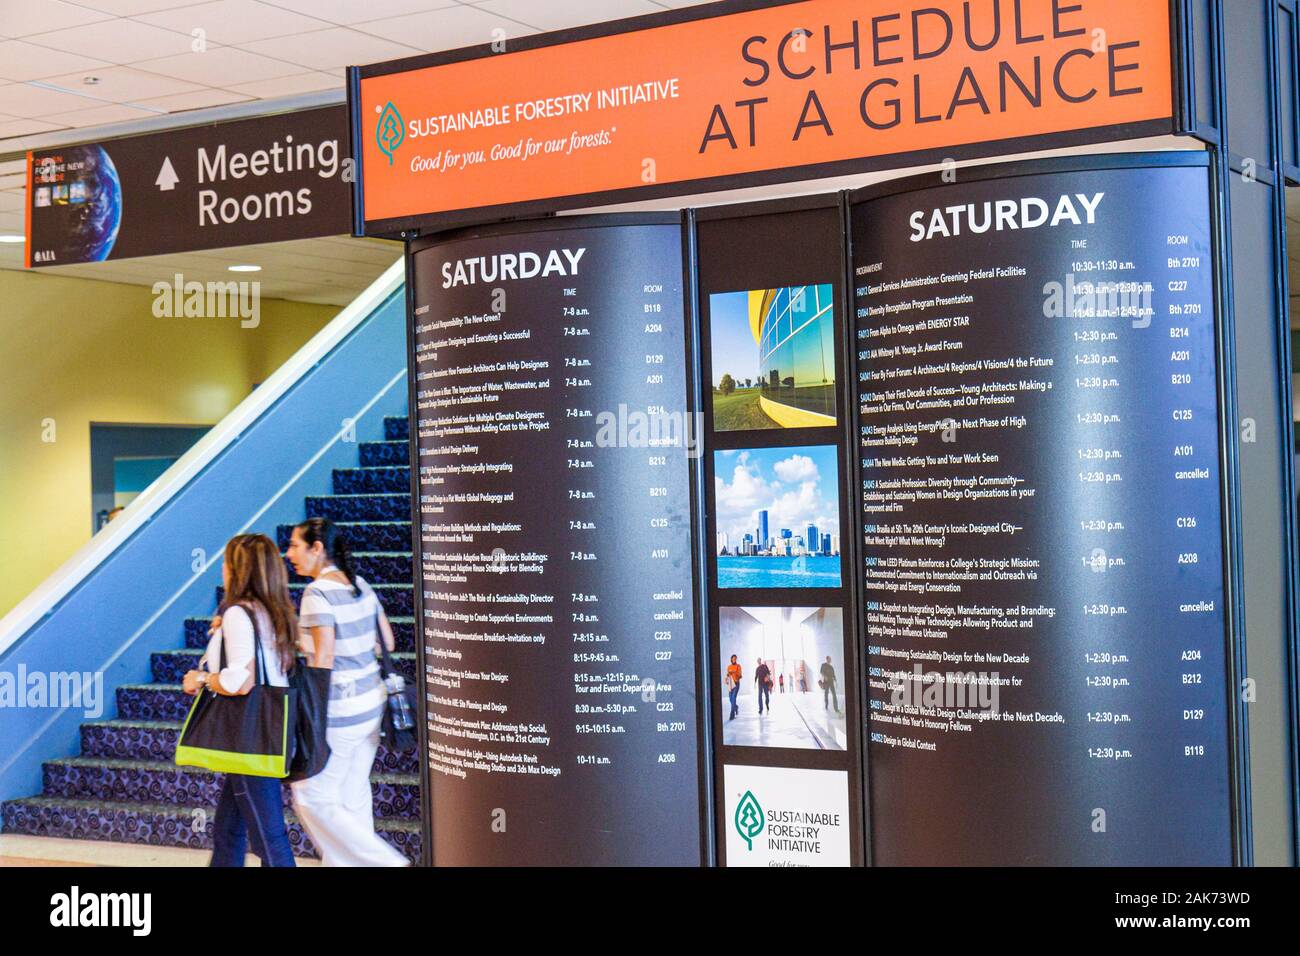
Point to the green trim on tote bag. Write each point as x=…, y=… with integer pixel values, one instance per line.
x=227, y=761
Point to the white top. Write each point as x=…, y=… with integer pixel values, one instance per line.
x=357, y=692
x=237, y=631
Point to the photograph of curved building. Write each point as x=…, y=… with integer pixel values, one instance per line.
x=773, y=358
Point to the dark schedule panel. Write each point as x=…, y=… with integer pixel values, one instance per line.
x=1043, y=571
x=555, y=546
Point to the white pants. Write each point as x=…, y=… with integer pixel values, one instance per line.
x=336, y=805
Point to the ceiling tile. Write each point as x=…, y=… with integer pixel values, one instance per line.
x=195, y=101
x=25, y=127
x=16, y=180
x=12, y=222
x=33, y=102
x=331, y=49
x=125, y=84
x=102, y=115
x=131, y=8
x=290, y=85
x=235, y=21
x=570, y=13
x=445, y=29
x=219, y=66
x=20, y=18
x=120, y=41
x=354, y=11
x=12, y=200
x=26, y=61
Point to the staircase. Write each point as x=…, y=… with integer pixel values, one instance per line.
x=124, y=786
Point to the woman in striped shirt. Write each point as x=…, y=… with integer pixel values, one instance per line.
x=342, y=623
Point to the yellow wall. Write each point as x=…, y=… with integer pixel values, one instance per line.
x=78, y=351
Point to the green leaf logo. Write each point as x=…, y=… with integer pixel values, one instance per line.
x=390, y=131
x=749, y=818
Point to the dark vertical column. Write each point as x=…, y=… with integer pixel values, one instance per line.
x=1240, y=40
x=782, y=590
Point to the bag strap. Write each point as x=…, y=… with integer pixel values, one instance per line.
x=385, y=662
x=259, y=670
x=259, y=655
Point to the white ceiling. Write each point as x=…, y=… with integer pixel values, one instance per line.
x=154, y=57
x=149, y=63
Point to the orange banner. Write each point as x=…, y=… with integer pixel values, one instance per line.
x=795, y=85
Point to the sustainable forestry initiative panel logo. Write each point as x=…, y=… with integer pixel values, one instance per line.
x=803, y=819
x=749, y=819
x=390, y=130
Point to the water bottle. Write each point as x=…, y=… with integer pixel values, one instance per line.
x=398, y=705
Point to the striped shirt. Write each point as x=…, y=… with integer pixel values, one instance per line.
x=357, y=693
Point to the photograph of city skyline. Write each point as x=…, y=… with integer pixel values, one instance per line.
x=778, y=523
x=773, y=358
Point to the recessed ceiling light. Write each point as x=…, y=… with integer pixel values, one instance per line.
x=90, y=80
x=243, y=268
x=12, y=238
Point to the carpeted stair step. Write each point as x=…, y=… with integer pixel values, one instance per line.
x=157, y=824
x=385, y=479
x=396, y=428
x=156, y=740
x=152, y=702
x=396, y=796
x=363, y=535
x=169, y=667
x=398, y=599
x=377, y=507
x=196, y=632
x=377, y=567
x=377, y=453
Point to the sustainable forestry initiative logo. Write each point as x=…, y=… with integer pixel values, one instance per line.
x=749, y=818
x=390, y=131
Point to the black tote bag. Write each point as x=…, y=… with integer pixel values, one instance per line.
x=310, y=750
x=250, y=734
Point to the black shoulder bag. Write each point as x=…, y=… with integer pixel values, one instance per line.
x=311, y=750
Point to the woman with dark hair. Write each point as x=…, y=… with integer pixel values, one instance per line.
x=256, y=608
x=342, y=622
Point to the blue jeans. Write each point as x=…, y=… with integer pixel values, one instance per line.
x=250, y=809
x=764, y=696
x=734, y=691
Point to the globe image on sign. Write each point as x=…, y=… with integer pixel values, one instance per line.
x=93, y=211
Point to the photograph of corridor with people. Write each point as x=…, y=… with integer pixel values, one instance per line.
x=784, y=687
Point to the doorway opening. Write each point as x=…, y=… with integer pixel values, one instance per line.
x=127, y=459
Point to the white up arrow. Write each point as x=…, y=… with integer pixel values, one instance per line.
x=167, y=177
